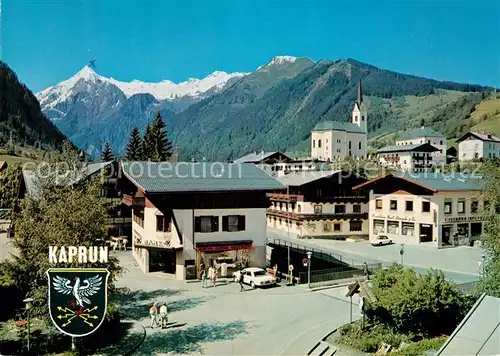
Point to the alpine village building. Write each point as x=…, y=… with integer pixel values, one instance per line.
x=320, y=204
x=478, y=145
x=435, y=208
x=189, y=214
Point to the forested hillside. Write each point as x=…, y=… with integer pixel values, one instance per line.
x=20, y=115
x=283, y=116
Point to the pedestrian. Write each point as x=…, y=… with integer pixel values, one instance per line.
x=153, y=313
x=211, y=273
x=203, y=278
x=240, y=281
x=214, y=277
x=163, y=316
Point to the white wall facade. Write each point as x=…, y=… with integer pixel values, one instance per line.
x=437, y=217
x=335, y=145
x=439, y=157
x=473, y=148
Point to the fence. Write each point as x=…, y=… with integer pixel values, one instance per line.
x=333, y=274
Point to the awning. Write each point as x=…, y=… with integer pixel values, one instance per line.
x=224, y=246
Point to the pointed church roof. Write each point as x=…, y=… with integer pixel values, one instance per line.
x=360, y=94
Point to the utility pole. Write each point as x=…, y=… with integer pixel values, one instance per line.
x=309, y=255
x=288, y=221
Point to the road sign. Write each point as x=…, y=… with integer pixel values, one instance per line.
x=290, y=268
x=402, y=251
x=305, y=261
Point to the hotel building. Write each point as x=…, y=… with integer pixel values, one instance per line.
x=411, y=158
x=320, y=204
x=188, y=213
x=435, y=208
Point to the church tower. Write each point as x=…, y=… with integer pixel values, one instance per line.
x=360, y=113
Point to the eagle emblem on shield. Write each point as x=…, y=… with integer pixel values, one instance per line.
x=78, y=299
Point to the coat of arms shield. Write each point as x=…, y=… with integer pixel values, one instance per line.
x=78, y=299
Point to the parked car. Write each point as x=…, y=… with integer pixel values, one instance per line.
x=255, y=277
x=381, y=240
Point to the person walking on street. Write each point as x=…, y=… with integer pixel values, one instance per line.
x=214, y=277
x=163, y=316
x=203, y=278
x=240, y=281
x=153, y=313
x=211, y=273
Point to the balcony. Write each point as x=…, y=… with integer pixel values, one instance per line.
x=316, y=216
x=285, y=197
x=133, y=201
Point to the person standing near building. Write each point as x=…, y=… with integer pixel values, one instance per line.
x=214, y=277
x=203, y=278
x=163, y=316
x=153, y=313
x=240, y=281
x=211, y=273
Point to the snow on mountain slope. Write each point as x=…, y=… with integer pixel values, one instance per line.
x=166, y=89
x=163, y=90
x=279, y=60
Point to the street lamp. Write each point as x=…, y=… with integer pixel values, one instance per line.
x=402, y=252
x=309, y=255
x=29, y=303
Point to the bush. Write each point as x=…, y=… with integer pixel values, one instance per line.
x=421, y=347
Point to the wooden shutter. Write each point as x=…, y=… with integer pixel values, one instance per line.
x=197, y=224
x=241, y=223
x=215, y=223
x=225, y=223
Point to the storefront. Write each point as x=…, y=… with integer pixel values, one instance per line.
x=235, y=255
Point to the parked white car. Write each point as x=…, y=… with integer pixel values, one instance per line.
x=381, y=240
x=255, y=277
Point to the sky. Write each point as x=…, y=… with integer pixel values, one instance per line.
x=46, y=42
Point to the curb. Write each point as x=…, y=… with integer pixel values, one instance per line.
x=139, y=343
x=323, y=339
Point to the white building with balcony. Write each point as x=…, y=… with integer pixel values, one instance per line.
x=411, y=158
x=435, y=208
x=427, y=135
x=189, y=214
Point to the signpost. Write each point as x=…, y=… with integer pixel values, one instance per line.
x=305, y=262
x=402, y=252
x=290, y=269
x=352, y=289
x=308, y=260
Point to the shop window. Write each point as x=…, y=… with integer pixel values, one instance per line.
x=461, y=207
x=162, y=224
x=318, y=209
x=463, y=230
x=339, y=209
x=426, y=207
x=474, y=206
x=327, y=226
x=355, y=225
x=206, y=224
x=408, y=229
x=378, y=204
x=409, y=205
x=356, y=208
x=378, y=226
x=393, y=205
x=393, y=227
x=233, y=223
x=476, y=229
x=336, y=227
x=447, y=207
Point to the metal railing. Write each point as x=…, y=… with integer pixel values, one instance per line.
x=339, y=273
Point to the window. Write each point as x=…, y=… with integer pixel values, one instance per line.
x=319, y=143
x=349, y=144
x=206, y=224
x=447, y=207
x=408, y=229
x=461, y=206
x=393, y=227
x=339, y=209
x=314, y=144
x=326, y=140
x=318, y=209
x=299, y=208
x=355, y=225
x=162, y=223
x=394, y=205
x=362, y=118
x=318, y=192
x=409, y=205
x=378, y=226
x=360, y=145
x=474, y=206
x=356, y=208
x=378, y=204
x=139, y=218
x=476, y=229
x=426, y=207
x=233, y=223
x=327, y=226
x=336, y=227
x=440, y=142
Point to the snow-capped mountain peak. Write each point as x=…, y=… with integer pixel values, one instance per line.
x=279, y=60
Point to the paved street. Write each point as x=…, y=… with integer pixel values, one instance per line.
x=458, y=263
x=224, y=321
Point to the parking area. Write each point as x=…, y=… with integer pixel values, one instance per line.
x=224, y=321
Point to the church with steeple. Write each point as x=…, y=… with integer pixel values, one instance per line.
x=334, y=140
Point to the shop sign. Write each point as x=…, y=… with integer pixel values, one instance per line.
x=151, y=243
x=463, y=219
x=394, y=217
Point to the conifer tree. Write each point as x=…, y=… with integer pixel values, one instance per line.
x=133, y=151
x=106, y=154
x=162, y=147
x=147, y=143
